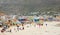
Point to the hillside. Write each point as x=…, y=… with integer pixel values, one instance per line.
x=25, y=7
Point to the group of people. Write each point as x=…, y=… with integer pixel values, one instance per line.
x=9, y=23
x=6, y=24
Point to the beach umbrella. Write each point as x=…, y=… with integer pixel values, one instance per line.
x=36, y=19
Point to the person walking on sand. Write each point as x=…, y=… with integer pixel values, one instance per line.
x=4, y=29
x=9, y=23
x=17, y=27
x=23, y=26
x=46, y=24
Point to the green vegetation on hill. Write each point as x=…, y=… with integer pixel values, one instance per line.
x=26, y=7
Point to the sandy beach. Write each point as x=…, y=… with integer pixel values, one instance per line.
x=50, y=29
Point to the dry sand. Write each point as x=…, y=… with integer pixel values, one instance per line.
x=50, y=29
